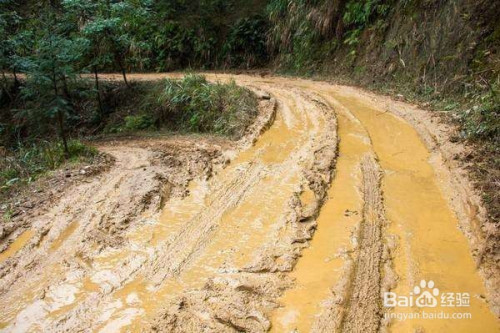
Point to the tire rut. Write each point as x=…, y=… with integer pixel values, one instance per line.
x=201, y=229
x=364, y=309
x=248, y=248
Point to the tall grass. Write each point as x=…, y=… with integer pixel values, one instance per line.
x=27, y=162
x=193, y=104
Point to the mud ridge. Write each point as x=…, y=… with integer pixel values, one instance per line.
x=192, y=239
x=146, y=174
x=364, y=310
x=355, y=301
x=300, y=223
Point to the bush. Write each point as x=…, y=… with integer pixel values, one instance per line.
x=245, y=46
x=194, y=104
x=137, y=123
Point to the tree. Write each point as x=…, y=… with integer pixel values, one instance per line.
x=49, y=69
x=115, y=25
x=10, y=45
x=85, y=17
x=4, y=54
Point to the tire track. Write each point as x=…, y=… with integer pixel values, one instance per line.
x=252, y=196
x=201, y=229
x=304, y=307
x=364, y=308
x=250, y=239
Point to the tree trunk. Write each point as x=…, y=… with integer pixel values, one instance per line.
x=125, y=77
x=65, y=88
x=16, y=80
x=122, y=69
x=99, y=102
x=115, y=51
x=60, y=115
x=60, y=118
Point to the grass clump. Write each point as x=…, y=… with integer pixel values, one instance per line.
x=139, y=122
x=26, y=163
x=132, y=123
x=195, y=105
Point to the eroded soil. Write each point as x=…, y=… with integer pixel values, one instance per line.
x=331, y=198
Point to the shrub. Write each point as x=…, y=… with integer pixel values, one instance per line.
x=482, y=121
x=140, y=122
x=245, y=46
x=194, y=104
x=27, y=162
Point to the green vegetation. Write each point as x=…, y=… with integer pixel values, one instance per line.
x=482, y=120
x=52, y=42
x=193, y=104
x=305, y=33
x=480, y=124
x=29, y=162
x=441, y=53
x=138, y=123
x=142, y=35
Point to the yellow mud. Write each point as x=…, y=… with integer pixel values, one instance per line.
x=320, y=267
x=242, y=205
x=429, y=244
x=241, y=229
x=16, y=245
x=64, y=235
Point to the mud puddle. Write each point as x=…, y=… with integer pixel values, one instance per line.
x=320, y=267
x=428, y=243
x=18, y=244
x=217, y=229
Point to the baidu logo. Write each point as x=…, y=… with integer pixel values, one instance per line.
x=426, y=295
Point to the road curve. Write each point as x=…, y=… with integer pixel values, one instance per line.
x=335, y=198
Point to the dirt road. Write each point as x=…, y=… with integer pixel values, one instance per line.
x=333, y=198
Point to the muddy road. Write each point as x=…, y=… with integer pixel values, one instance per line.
x=332, y=199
